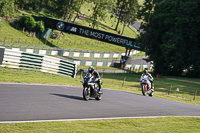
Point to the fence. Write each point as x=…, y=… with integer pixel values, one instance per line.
x=31, y=61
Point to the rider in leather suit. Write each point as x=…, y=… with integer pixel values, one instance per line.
x=150, y=77
x=97, y=78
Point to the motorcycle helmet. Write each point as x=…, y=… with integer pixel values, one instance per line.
x=91, y=69
x=145, y=71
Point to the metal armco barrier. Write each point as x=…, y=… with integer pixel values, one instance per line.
x=30, y=61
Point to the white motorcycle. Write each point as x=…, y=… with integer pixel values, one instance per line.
x=146, y=86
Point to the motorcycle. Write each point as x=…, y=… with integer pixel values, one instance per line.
x=90, y=88
x=145, y=85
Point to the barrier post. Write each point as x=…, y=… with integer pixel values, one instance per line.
x=170, y=90
x=195, y=93
x=123, y=81
x=1, y=54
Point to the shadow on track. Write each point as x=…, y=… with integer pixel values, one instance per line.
x=68, y=96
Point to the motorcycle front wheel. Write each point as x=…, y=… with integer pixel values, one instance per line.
x=86, y=93
x=144, y=90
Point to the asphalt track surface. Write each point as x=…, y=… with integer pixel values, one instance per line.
x=28, y=102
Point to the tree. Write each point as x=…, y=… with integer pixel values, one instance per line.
x=126, y=11
x=67, y=8
x=6, y=7
x=171, y=37
x=130, y=13
x=120, y=6
x=100, y=10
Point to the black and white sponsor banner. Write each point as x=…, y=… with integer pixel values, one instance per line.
x=89, y=32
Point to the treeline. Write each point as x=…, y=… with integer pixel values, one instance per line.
x=172, y=36
x=125, y=10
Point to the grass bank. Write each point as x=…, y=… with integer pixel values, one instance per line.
x=12, y=34
x=136, y=125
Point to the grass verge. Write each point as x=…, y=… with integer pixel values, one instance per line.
x=137, y=125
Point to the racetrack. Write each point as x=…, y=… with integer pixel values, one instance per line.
x=29, y=102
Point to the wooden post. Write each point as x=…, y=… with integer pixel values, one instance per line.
x=195, y=93
x=5, y=39
x=102, y=75
x=170, y=90
x=123, y=81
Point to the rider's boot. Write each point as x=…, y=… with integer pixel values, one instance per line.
x=100, y=91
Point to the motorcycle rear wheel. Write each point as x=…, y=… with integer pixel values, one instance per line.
x=98, y=96
x=86, y=93
x=151, y=94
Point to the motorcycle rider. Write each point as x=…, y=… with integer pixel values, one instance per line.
x=97, y=78
x=145, y=72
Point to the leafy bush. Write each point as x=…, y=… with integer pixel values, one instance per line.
x=28, y=22
x=54, y=35
x=39, y=27
x=21, y=21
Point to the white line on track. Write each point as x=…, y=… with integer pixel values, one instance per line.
x=87, y=119
x=35, y=84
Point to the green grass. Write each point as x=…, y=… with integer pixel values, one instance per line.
x=11, y=35
x=137, y=125
x=26, y=76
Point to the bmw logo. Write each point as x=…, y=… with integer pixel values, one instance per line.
x=60, y=25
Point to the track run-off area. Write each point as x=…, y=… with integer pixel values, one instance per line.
x=38, y=102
